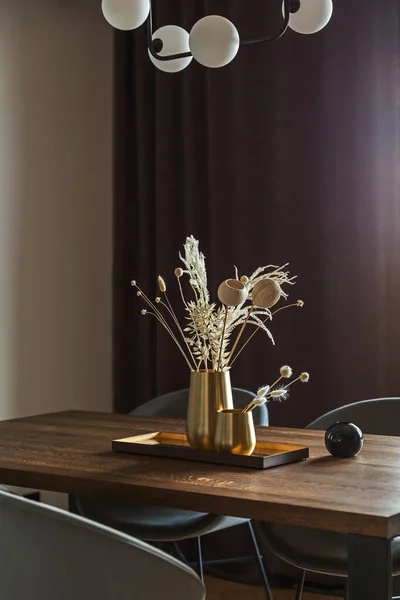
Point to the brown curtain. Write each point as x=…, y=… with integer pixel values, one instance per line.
x=288, y=154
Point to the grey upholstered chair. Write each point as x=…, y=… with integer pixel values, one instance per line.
x=162, y=524
x=49, y=554
x=326, y=551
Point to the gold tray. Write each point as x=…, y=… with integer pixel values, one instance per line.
x=175, y=445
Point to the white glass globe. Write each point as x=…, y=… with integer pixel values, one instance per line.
x=125, y=14
x=312, y=16
x=175, y=40
x=214, y=41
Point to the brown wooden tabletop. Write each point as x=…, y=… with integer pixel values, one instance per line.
x=71, y=452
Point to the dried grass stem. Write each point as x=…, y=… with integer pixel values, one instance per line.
x=171, y=311
x=163, y=322
x=171, y=333
x=239, y=335
x=222, y=338
x=259, y=327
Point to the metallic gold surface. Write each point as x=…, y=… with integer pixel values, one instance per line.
x=235, y=432
x=210, y=391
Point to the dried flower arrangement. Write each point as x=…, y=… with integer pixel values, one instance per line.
x=205, y=341
x=267, y=393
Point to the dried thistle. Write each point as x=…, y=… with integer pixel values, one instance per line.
x=303, y=377
x=286, y=372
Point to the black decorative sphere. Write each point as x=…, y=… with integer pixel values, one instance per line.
x=343, y=440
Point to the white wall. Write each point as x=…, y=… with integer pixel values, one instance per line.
x=55, y=206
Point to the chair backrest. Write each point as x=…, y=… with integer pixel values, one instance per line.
x=380, y=416
x=174, y=405
x=48, y=554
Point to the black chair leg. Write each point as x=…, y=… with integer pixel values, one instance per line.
x=200, y=558
x=300, y=587
x=179, y=554
x=260, y=562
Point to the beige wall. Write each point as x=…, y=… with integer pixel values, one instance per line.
x=55, y=206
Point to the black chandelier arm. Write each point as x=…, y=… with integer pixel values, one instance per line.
x=155, y=46
x=269, y=39
x=290, y=6
x=153, y=52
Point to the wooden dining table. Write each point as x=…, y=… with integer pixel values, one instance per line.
x=71, y=452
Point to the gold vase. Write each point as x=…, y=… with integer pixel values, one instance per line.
x=210, y=391
x=235, y=432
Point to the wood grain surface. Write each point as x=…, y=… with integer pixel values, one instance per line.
x=218, y=589
x=71, y=452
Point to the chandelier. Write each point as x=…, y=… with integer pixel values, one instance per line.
x=214, y=40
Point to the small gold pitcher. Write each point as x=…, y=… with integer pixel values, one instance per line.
x=210, y=391
x=235, y=432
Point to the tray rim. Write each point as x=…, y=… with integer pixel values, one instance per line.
x=179, y=452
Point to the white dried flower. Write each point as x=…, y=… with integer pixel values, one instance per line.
x=158, y=299
x=304, y=377
x=161, y=284
x=263, y=391
x=300, y=303
x=286, y=371
x=143, y=311
x=209, y=327
x=259, y=401
x=278, y=393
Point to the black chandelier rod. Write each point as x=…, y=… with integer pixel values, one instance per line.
x=155, y=46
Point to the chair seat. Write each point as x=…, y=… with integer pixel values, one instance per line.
x=153, y=523
x=313, y=549
x=49, y=554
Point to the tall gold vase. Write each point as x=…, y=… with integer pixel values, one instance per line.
x=210, y=391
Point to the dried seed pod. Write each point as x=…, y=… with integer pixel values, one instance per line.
x=266, y=293
x=232, y=292
x=161, y=284
x=286, y=371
